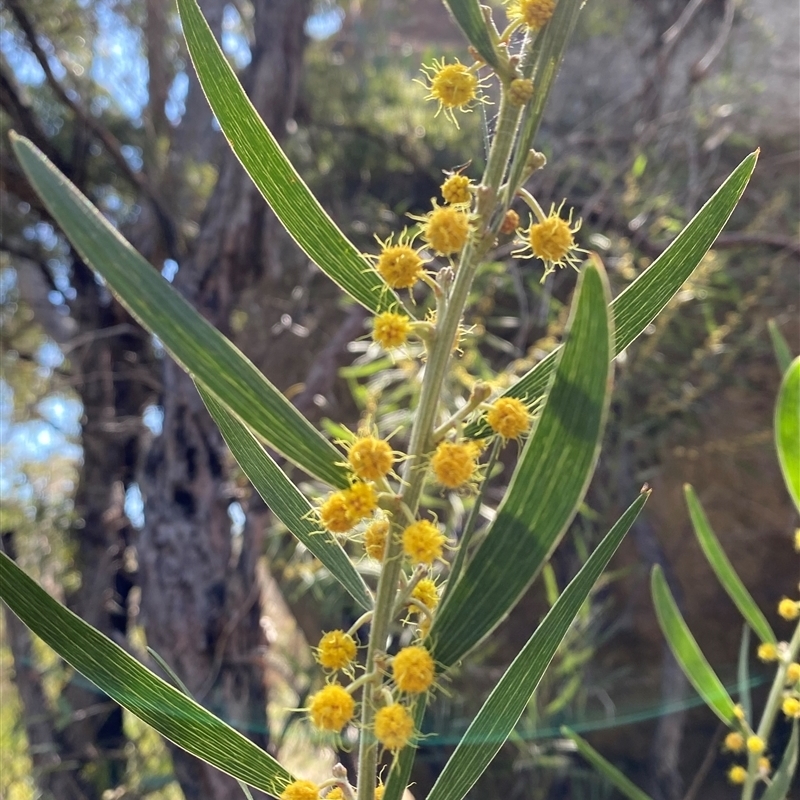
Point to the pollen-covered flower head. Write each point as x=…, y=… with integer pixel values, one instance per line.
x=767, y=651
x=413, y=670
x=453, y=86
x=734, y=742
x=361, y=500
x=791, y=707
x=552, y=240
x=737, y=775
x=520, y=90
x=533, y=14
x=509, y=417
x=454, y=463
x=422, y=542
x=789, y=609
x=456, y=190
x=390, y=330
x=370, y=458
x=398, y=263
x=793, y=673
x=425, y=592
x=375, y=537
x=445, y=228
x=300, y=790
x=510, y=222
x=336, y=650
x=331, y=708
x=394, y=726
x=756, y=745
x=335, y=514
x=335, y=794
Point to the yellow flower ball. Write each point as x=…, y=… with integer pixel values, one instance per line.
x=426, y=593
x=336, y=650
x=791, y=707
x=755, y=745
x=453, y=463
x=361, y=500
x=335, y=794
x=737, y=774
x=793, y=673
x=734, y=742
x=400, y=265
x=767, y=651
x=391, y=330
x=394, y=726
x=533, y=14
x=764, y=766
x=422, y=542
x=738, y=712
x=413, y=670
x=509, y=417
x=456, y=190
x=510, y=222
x=551, y=240
x=452, y=86
x=446, y=229
x=379, y=790
x=300, y=790
x=375, y=539
x=520, y=90
x=331, y=708
x=789, y=609
x=335, y=514
x=371, y=458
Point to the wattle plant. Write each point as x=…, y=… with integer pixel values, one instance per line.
x=435, y=598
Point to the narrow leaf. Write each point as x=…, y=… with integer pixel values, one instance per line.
x=686, y=650
x=272, y=172
x=782, y=779
x=135, y=688
x=724, y=570
x=783, y=354
x=787, y=429
x=285, y=500
x=505, y=705
x=644, y=299
x=605, y=767
x=470, y=19
x=194, y=343
x=550, y=480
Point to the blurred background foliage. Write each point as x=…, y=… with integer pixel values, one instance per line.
x=653, y=108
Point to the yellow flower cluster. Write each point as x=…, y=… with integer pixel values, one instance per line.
x=336, y=650
x=422, y=542
x=331, y=708
x=509, y=417
x=456, y=190
x=300, y=790
x=533, y=14
x=370, y=458
x=394, y=726
x=413, y=670
x=454, y=463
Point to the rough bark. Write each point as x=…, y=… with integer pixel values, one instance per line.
x=200, y=591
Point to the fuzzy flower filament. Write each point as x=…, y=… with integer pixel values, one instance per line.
x=509, y=417
x=370, y=458
x=394, y=726
x=331, y=708
x=413, y=670
x=336, y=650
x=454, y=463
x=300, y=790
x=422, y=542
x=390, y=330
x=400, y=265
x=375, y=537
x=455, y=87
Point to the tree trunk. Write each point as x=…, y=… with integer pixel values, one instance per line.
x=200, y=593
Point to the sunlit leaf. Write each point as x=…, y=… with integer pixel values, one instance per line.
x=687, y=652
x=195, y=344
x=135, y=688
x=469, y=16
x=787, y=429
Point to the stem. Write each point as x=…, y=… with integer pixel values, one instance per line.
x=771, y=710
x=439, y=353
x=472, y=521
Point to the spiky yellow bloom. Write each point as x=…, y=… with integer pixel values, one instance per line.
x=370, y=458
x=552, y=240
x=426, y=593
x=793, y=673
x=454, y=464
x=453, y=86
x=336, y=650
x=422, y=542
x=734, y=742
x=331, y=708
x=520, y=90
x=413, y=670
x=755, y=745
x=300, y=790
x=399, y=264
x=390, y=330
x=456, y=190
x=361, y=500
x=445, y=228
x=791, y=707
x=737, y=774
x=789, y=609
x=375, y=539
x=533, y=14
x=334, y=513
x=510, y=222
x=509, y=417
x=379, y=790
x=335, y=794
x=767, y=651
x=394, y=726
